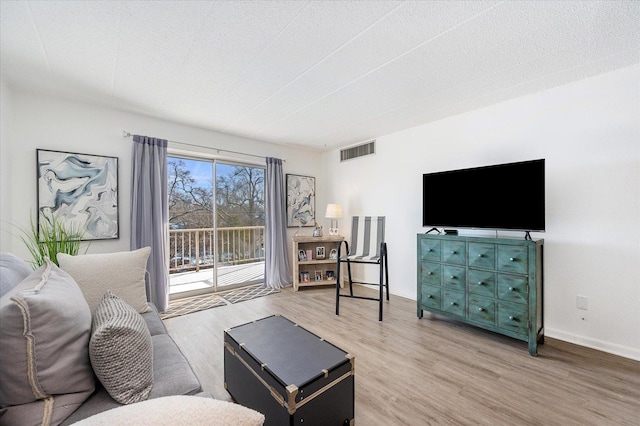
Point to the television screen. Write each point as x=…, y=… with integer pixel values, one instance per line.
x=505, y=196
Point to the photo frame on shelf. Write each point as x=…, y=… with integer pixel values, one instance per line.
x=302, y=255
x=320, y=252
x=333, y=254
x=329, y=276
x=80, y=190
x=304, y=277
x=301, y=201
x=318, y=275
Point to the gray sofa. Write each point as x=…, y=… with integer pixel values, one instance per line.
x=172, y=374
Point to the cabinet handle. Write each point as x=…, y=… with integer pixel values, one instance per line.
x=480, y=255
x=453, y=303
x=510, y=288
x=429, y=273
x=480, y=283
x=481, y=309
x=453, y=252
x=453, y=277
x=429, y=296
x=512, y=259
x=511, y=318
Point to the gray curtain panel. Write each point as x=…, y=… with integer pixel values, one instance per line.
x=277, y=270
x=150, y=212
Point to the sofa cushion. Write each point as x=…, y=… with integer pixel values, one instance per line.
x=121, y=272
x=121, y=351
x=178, y=411
x=12, y=271
x=154, y=323
x=44, y=336
x=172, y=373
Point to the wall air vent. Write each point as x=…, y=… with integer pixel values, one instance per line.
x=361, y=150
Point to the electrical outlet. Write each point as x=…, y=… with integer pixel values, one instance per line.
x=582, y=302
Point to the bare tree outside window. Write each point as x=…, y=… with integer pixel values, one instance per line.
x=239, y=209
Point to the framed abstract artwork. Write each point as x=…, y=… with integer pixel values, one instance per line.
x=80, y=190
x=301, y=200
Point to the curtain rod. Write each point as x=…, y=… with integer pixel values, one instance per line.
x=126, y=134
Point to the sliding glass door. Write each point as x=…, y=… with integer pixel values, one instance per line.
x=216, y=221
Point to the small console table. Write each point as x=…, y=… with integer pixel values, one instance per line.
x=491, y=283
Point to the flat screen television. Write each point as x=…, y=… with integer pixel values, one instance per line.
x=504, y=196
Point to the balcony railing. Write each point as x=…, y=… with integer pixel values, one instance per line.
x=201, y=248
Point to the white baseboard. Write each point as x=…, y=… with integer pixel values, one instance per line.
x=612, y=348
x=588, y=342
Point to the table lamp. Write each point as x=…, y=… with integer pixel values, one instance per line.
x=334, y=212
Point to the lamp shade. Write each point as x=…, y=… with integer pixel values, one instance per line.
x=334, y=211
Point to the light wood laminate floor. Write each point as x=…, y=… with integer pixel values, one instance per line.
x=412, y=371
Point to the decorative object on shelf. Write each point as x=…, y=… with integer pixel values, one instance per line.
x=334, y=212
x=333, y=254
x=317, y=231
x=318, y=275
x=304, y=277
x=80, y=190
x=301, y=200
x=330, y=276
x=309, y=254
x=302, y=255
x=320, y=252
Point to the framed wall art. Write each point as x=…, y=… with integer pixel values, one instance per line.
x=301, y=200
x=81, y=190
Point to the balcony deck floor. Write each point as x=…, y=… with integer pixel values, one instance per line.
x=227, y=275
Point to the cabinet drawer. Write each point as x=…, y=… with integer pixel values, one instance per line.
x=431, y=273
x=512, y=317
x=512, y=258
x=513, y=288
x=454, y=252
x=453, y=277
x=482, y=310
x=481, y=283
x=430, y=250
x=482, y=255
x=431, y=296
x=454, y=302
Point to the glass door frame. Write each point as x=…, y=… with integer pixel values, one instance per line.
x=214, y=162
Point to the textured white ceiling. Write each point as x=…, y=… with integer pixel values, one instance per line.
x=320, y=74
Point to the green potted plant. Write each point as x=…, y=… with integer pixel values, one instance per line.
x=53, y=237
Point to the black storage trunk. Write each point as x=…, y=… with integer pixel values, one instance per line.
x=289, y=374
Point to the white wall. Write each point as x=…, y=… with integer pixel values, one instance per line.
x=589, y=134
x=36, y=121
x=5, y=164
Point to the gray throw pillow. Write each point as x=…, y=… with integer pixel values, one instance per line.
x=12, y=271
x=45, y=325
x=121, y=351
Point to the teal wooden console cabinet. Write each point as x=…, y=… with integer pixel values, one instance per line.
x=492, y=283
